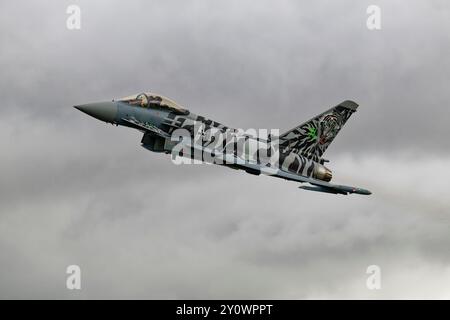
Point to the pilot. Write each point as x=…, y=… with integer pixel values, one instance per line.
x=143, y=99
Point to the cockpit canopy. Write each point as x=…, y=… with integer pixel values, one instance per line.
x=154, y=101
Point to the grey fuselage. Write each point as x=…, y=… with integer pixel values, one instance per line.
x=167, y=120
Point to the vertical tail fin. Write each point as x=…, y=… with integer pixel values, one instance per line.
x=312, y=138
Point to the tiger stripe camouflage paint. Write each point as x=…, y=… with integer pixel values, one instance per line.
x=301, y=148
x=295, y=155
x=313, y=137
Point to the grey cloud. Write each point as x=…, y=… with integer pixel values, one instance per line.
x=246, y=65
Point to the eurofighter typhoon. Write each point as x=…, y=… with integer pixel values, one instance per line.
x=295, y=155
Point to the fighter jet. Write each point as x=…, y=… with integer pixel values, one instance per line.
x=299, y=151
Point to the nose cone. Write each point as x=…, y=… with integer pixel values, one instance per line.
x=104, y=111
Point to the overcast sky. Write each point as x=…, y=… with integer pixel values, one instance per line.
x=74, y=190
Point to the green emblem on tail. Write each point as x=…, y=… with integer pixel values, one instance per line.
x=312, y=133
